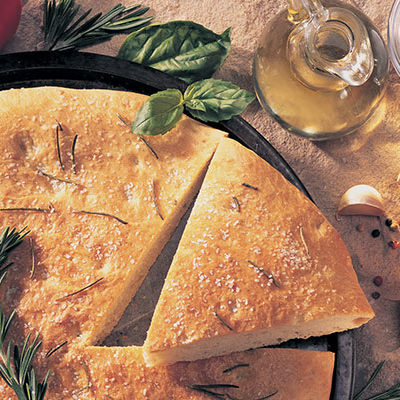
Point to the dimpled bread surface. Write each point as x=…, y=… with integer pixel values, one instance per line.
x=257, y=264
x=114, y=173
x=121, y=374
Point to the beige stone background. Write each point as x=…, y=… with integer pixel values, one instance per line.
x=371, y=155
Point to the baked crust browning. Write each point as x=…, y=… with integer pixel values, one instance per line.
x=258, y=264
x=120, y=373
x=95, y=230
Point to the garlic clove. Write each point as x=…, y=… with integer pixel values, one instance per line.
x=361, y=200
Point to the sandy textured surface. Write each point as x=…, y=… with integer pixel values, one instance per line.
x=370, y=156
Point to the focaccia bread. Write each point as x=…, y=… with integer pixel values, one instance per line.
x=99, y=214
x=121, y=374
x=258, y=264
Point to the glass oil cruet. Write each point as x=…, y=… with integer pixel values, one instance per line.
x=321, y=71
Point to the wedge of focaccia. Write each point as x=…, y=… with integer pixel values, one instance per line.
x=100, y=204
x=258, y=264
x=121, y=374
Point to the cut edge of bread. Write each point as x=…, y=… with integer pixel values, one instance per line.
x=222, y=345
x=132, y=285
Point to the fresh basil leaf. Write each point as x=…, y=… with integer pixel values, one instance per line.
x=215, y=100
x=183, y=49
x=159, y=114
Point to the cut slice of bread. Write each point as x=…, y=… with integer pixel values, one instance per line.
x=108, y=207
x=258, y=264
x=121, y=374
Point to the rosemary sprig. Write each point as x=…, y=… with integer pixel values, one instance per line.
x=103, y=214
x=249, y=186
x=223, y=321
x=262, y=270
x=58, y=128
x=225, y=371
x=9, y=240
x=370, y=380
x=152, y=151
x=17, y=371
x=16, y=366
x=236, y=203
x=73, y=154
x=393, y=393
x=63, y=30
x=80, y=290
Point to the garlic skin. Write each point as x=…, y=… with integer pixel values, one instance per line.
x=361, y=200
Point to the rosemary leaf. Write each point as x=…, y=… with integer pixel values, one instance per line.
x=148, y=146
x=80, y=290
x=103, y=214
x=124, y=121
x=206, y=389
x=155, y=200
x=262, y=270
x=249, y=186
x=268, y=396
x=10, y=239
x=32, y=258
x=236, y=203
x=64, y=30
x=217, y=386
x=53, y=350
x=56, y=178
x=26, y=209
x=223, y=321
x=152, y=151
x=73, y=154
x=304, y=242
x=225, y=371
x=208, y=392
x=58, y=127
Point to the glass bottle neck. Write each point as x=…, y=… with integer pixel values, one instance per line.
x=329, y=48
x=300, y=10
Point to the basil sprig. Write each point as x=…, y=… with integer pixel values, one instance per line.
x=183, y=49
x=208, y=100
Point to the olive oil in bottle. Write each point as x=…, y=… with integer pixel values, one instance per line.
x=320, y=71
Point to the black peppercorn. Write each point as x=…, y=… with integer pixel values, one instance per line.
x=388, y=222
x=378, y=280
x=375, y=233
x=375, y=295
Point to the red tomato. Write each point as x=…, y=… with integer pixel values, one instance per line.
x=10, y=14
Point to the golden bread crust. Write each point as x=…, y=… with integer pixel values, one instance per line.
x=120, y=373
x=250, y=260
x=115, y=172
